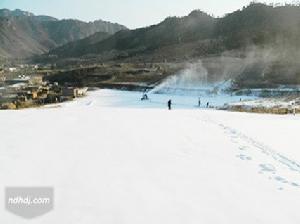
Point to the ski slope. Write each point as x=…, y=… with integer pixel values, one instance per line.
x=181, y=100
x=114, y=159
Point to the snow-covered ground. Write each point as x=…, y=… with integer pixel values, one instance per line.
x=114, y=159
x=125, y=99
x=269, y=102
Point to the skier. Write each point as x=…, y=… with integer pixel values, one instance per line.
x=145, y=97
x=170, y=104
x=207, y=105
x=294, y=108
x=199, y=102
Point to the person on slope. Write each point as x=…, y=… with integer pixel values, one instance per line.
x=170, y=104
x=145, y=97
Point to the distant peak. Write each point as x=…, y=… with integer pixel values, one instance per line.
x=16, y=12
x=19, y=12
x=197, y=13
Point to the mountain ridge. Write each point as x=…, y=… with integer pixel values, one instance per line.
x=22, y=34
x=257, y=24
x=257, y=46
x=149, y=38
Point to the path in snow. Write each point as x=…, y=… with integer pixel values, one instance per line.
x=272, y=162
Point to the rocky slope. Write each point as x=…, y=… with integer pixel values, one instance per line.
x=22, y=34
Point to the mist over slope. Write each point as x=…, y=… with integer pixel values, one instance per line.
x=22, y=34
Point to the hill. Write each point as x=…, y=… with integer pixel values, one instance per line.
x=172, y=31
x=257, y=24
x=22, y=34
x=262, y=40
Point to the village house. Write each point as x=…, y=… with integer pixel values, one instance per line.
x=81, y=92
x=32, y=95
x=74, y=92
x=12, y=69
x=27, y=91
x=2, y=78
x=36, y=80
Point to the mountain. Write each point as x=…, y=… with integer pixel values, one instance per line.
x=78, y=47
x=260, y=24
x=257, y=46
x=267, y=39
x=172, y=31
x=200, y=34
x=22, y=34
x=17, y=12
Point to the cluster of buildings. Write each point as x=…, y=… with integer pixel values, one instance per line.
x=19, y=67
x=31, y=91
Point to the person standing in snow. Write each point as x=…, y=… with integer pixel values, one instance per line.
x=207, y=105
x=145, y=97
x=294, y=108
x=170, y=104
x=199, y=102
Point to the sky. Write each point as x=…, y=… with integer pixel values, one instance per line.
x=131, y=13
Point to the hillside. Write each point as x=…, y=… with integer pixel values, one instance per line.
x=256, y=24
x=263, y=39
x=172, y=31
x=22, y=34
x=78, y=47
x=259, y=24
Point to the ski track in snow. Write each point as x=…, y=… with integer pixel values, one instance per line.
x=252, y=150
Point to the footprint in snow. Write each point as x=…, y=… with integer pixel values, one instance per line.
x=281, y=179
x=89, y=103
x=244, y=157
x=267, y=168
x=295, y=184
x=243, y=148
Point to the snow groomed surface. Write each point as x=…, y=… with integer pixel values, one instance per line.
x=114, y=159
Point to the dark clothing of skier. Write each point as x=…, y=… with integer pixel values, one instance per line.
x=207, y=105
x=199, y=102
x=145, y=97
x=170, y=104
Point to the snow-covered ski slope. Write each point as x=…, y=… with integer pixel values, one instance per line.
x=181, y=100
x=143, y=164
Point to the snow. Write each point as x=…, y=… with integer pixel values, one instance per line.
x=132, y=100
x=114, y=159
x=268, y=103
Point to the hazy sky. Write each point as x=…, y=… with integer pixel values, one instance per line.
x=132, y=13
